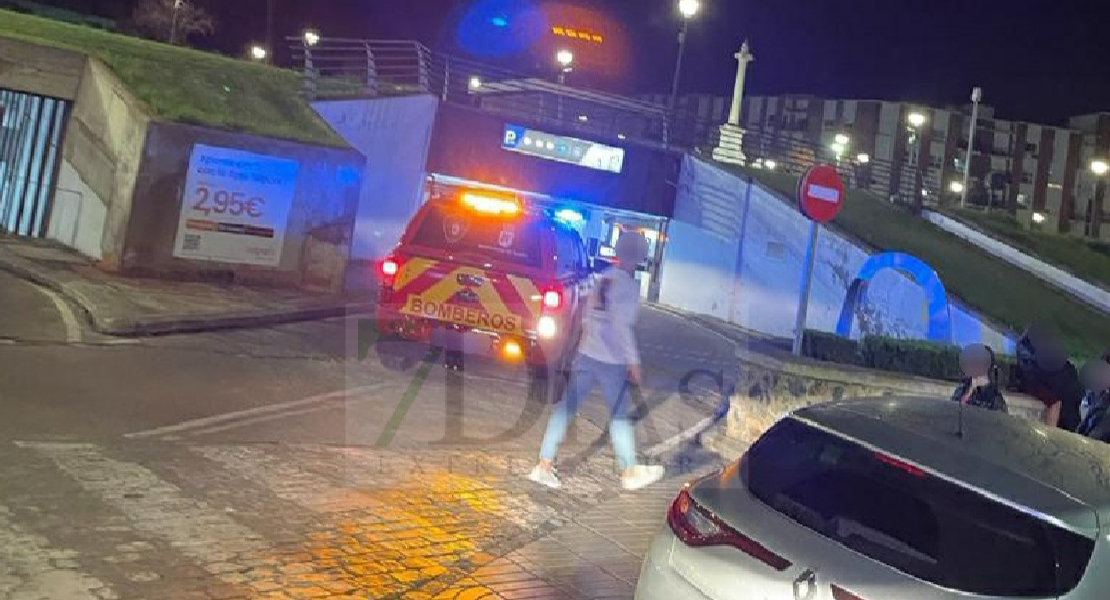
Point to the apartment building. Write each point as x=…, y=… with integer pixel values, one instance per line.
x=1092, y=211
x=1038, y=172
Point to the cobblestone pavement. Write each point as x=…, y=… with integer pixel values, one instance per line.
x=144, y=520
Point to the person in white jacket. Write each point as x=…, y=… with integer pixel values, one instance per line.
x=608, y=357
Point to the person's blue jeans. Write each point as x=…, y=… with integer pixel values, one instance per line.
x=613, y=381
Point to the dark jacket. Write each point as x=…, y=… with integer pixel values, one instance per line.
x=987, y=396
x=1050, y=378
x=1096, y=425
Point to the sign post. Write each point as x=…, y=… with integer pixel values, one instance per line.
x=820, y=197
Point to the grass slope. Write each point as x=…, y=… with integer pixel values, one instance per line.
x=1002, y=292
x=189, y=86
x=1076, y=256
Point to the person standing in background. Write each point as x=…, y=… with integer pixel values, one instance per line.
x=980, y=384
x=1096, y=403
x=1045, y=373
x=607, y=357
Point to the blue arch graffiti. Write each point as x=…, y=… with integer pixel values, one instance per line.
x=940, y=321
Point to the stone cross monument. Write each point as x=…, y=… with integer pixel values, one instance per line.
x=730, y=147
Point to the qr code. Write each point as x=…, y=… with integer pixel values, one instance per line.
x=191, y=242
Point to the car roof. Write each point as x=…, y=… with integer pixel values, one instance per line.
x=1062, y=476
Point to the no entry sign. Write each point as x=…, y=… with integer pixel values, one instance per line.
x=821, y=193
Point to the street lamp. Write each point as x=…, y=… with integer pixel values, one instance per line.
x=976, y=97
x=1099, y=167
x=688, y=9
x=475, y=83
x=863, y=158
x=259, y=53
x=770, y=164
x=565, y=58
x=916, y=121
x=956, y=187
x=311, y=38
x=842, y=139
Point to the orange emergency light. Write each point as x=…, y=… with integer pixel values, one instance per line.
x=492, y=203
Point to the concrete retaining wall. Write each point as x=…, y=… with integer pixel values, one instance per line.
x=100, y=163
x=40, y=70
x=770, y=388
x=318, y=233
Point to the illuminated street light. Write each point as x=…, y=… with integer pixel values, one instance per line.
x=565, y=58
x=475, y=83
x=1039, y=218
x=842, y=139
x=956, y=187
x=770, y=164
x=863, y=158
x=259, y=53
x=689, y=8
x=1099, y=167
x=838, y=148
x=916, y=119
x=311, y=38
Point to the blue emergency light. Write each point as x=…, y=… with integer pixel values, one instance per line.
x=569, y=215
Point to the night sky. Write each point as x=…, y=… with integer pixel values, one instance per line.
x=1036, y=60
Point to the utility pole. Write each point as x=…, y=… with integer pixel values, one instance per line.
x=177, y=6
x=271, y=15
x=976, y=98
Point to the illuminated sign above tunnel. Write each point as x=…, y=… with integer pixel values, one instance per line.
x=582, y=153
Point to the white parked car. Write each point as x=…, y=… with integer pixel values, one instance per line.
x=893, y=499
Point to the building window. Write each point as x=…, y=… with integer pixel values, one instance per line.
x=1026, y=177
x=1031, y=148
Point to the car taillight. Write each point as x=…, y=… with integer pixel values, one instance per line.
x=840, y=593
x=553, y=299
x=696, y=527
x=389, y=269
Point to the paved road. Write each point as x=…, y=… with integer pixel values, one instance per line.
x=275, y=464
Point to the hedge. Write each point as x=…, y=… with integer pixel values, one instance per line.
x=829, y=347
x=911, y=357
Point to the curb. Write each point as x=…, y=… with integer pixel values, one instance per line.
x=172, y=325
x=156, y=327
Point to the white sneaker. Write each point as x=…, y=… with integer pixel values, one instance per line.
x=642, y=476
x=546, y=477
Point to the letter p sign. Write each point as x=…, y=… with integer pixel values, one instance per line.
x=512, y=137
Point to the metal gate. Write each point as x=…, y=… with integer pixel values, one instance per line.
x=30, y=147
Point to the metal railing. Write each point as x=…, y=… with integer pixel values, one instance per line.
x=346, y=68
x=338, y=68
x=783, y=152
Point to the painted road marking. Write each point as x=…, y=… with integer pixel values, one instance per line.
x=69, y=320
x=28, y=567
x=273, y=411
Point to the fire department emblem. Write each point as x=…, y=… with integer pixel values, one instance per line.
x=454, y=229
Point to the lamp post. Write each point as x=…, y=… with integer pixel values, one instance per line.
x=1099, y=168
x=976, y=97
x=310, y=39
x=565, y=58
x=916, y=120
x=177, y=6
x=259, y=53
x=688, y=9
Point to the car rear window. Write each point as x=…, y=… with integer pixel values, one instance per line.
x=922, y=525
x=515, y=241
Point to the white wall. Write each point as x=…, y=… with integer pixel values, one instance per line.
x=760, y=289
x=1087, y=293
x=78, y=214
x=393, y=134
